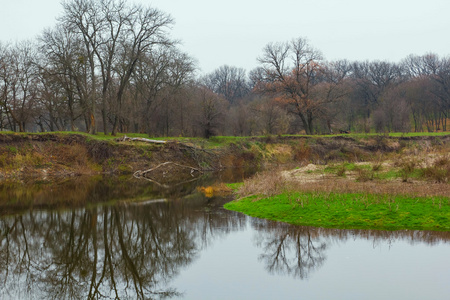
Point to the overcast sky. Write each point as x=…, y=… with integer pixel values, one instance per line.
x=234, y=32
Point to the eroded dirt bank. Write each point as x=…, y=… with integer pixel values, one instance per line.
x=59, y=155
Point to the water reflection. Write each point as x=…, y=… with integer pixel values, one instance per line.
x=106, y=252
x=135, y=250
x=297, y=251
x=289, y=250
x=82, y=191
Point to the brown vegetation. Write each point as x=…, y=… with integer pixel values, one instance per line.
x=67, y=155
x=70, y=155
x=416, y=170
x=273, y=183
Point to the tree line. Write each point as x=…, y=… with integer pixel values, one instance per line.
x=112, y=66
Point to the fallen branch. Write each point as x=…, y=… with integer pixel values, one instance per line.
x=142, y=173
x=192, y=150
x=125, y=138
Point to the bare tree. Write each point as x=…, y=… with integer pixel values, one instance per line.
x=270, y=116
x=19, y=84
x=157, y=73
x=373, y=78
x=331, y=90
x=4, y=84
x=231, y=82
x=442, y=90
x=210, y=110
x=290, y=71
x=83, y=18
x=418, y=66
x=115, y=36
x=146, y=26
x=64, y=75
x=433, y=74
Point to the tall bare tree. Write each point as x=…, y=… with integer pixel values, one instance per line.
x=290, y=70
x=373, y=79
x=210, y=111
x=231, y=82
x=433, y=74
x=115, y=36
x=157, y=75
x=63, y=66
x=19, y=83
x=296, y=75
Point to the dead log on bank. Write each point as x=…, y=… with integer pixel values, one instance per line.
x=203, y=157
x=125, y=138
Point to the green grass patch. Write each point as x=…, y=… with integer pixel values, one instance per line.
x=387, y=175
x=412, y=134
x=234, y=186
x=350, y=211
x=336, y=168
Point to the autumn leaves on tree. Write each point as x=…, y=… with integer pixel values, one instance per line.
x=293, y=73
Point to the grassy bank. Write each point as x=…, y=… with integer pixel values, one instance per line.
x=350, y=210
x=407, y=189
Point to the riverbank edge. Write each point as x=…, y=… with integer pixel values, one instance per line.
x=53, y=155
x=349, y=210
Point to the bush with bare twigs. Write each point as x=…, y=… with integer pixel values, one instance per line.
x=439, y=171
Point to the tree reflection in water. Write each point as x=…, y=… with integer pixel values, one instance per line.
x=133, y=251
x=118, y=252
x=297, y=251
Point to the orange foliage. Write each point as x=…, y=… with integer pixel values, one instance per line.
x=214, y=190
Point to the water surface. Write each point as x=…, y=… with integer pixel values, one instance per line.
x=175, y=243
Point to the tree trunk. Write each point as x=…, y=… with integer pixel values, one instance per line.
x=92, y=124
x=105, y=121
x=115, y=125
x=304, y=122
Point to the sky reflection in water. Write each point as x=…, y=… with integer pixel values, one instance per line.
x=191, y=248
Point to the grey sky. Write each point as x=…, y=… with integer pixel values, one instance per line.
x=234, y=32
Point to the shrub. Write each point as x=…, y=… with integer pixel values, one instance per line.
x=407, y=169
x=439, y=171
x=364, y=175
x=377, y=166
x=341, y=171
x=302, y=152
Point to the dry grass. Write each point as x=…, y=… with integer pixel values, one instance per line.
x=41, y=159
x=302, y=152
x=364, y=175
x=309, y=179
x=281, y=153
x=375, y=187
x=268, y=183
x=439, y=171
x=415, y=171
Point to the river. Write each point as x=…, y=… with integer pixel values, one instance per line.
x=176, y=243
